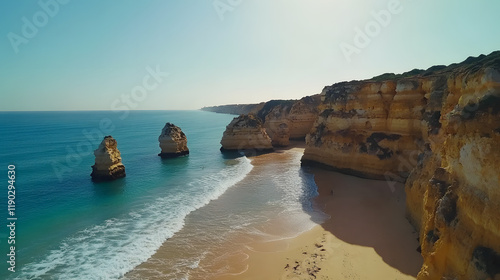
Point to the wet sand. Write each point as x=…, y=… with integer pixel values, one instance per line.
x=213, y=241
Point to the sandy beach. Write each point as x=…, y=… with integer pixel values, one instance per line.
x=366, y=236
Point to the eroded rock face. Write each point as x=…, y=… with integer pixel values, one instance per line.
x=291, y=120
x=246, y=133
x=453, y=196
x=302, y=116
x=235, y=109
x=173, y=142
x=108, y=162
x=439, y=130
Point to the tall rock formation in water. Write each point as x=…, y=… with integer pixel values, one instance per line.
x=438, y=130
x=235, y=109
x=246, y=133
x=173, y=142
x=108, y=162
x=453, y=195
x=284, y=120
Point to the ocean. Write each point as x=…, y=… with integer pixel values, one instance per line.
x=68, y=227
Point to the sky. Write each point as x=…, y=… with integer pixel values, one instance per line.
x=186, y=54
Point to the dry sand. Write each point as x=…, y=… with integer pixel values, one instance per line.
x=367, y=237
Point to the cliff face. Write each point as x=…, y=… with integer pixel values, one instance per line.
x=438, y=130
x=366, y=127
x=277, y=126
x=245, y=133
x=235, y=109
x=282, y=119
x=173, y=142
x=453, y=195
x=108, y=162
x=291, y=120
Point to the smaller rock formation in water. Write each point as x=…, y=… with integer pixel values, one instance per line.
x=108, y=162
x=173, y=142
x=290, y=119
x=246, y=133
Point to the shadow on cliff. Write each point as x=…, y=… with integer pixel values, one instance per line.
x=369, y=213
x=110, y=188
x=294, y=143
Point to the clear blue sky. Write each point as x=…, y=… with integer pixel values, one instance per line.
x=89, y=53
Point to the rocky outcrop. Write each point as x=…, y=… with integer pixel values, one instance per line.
x=283, y=119
x=246, y=133
x=438, y=130
x=291, y=119
x=302, y=116
x=277, y=124
x=173, y=142
x=366, y=127
x=108, y=162
x=453, y=195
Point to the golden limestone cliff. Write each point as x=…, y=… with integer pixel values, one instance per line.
x=438, y=130
x=108, y=162
x=284, y=120
x=367, y=127
x=245, y=133
x=277, y=126
x=173, y=142
x=290, y=120
x=235, y=109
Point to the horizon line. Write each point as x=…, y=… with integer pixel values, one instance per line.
x=90, y=110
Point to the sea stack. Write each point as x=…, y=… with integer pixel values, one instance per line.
x=246, y=133
x=173, y=142
x=108, y=162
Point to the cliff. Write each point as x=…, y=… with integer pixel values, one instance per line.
x=438, y=130
x=235, y=109
x=173, y=142
x=290, y=119
x=108, y=162
x=366, y=127
x=246, y=133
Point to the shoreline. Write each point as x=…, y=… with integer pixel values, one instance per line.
x=366, y=237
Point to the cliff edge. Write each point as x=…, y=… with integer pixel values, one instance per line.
x=438, y=130
x=173, y=142
x=284, y=120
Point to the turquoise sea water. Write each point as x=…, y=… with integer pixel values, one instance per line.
x=71, y=228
